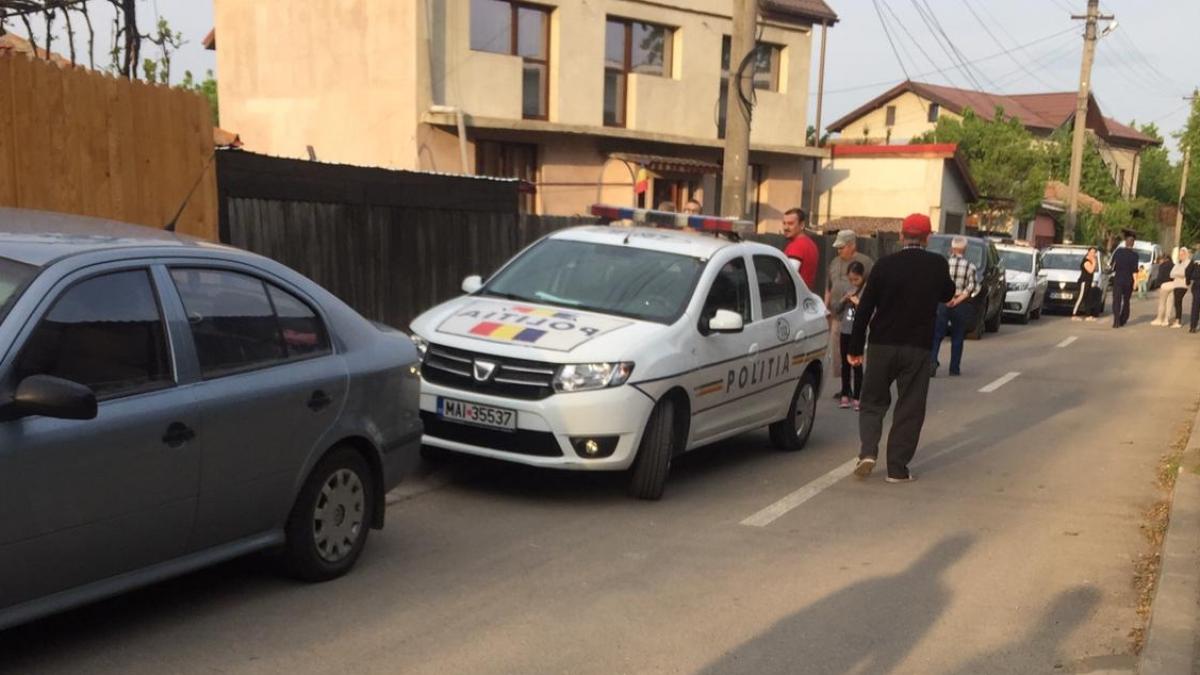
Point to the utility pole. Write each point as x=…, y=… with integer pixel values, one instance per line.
x=737, y=113
x=814, y=206
x=1078, y=136
x=1187, y=160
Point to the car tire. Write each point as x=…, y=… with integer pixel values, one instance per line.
x=791, y=433
x=1036, y=314
x=648, y=476
x=993, y=325
x=327, y=529
x=1024, y=318
x=976, y=333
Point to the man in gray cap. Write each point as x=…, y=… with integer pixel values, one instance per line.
x=837, y=286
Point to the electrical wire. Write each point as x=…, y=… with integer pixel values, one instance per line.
x=1000, y=44
x=888, y=33
x=949, y=52
x=916, y=42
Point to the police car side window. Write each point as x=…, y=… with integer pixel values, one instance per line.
x=730, y=290
x=776, y=290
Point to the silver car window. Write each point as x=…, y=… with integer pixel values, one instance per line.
x=105, y=332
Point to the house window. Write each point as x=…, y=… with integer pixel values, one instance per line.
x=891, y=116
x=510, y=160
x=934, y=109
x=518, y=29
x=632, y=47
x=767, y=58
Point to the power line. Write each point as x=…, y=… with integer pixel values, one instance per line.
x=888, y=33
x=948, y=48
x=989, y=57
x=1011, y=56
x=916, y=42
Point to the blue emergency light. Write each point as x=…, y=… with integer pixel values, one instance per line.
x=670, y=219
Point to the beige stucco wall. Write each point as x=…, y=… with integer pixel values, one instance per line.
x=912, y=119
x=889, y=187
x=1118, y=158
x=334, y=74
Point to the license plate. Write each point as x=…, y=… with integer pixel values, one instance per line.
x=1061, y=296
x=478, y=415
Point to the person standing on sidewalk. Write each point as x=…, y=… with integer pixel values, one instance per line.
x=1163, y=316
x=1180, y=281
x=1193, y=278
x=958, y=315
x=800, y=246
x=1124, y=265
x=899, y=305
x=837, y=285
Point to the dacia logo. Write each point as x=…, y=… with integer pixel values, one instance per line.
x=483, y=370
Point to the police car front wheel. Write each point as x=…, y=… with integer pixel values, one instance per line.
x=653, y=462
x=792, y=432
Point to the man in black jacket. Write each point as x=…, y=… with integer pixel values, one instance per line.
x=1193, y=280
x=899, y=305
x=1124, y=266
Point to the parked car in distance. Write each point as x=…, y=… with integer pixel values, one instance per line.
x=1061, y=268
x=1026, y=289
x=989, y=270
x=1148, y=254
x=617, y=349
x=166, y=404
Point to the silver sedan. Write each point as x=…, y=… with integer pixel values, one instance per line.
x=166, y=404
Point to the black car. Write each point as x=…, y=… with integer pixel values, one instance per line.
x=989, y=300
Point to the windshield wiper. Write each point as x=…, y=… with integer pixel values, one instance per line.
x=554, y=299
x=506, y=296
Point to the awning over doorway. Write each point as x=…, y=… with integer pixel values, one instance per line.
x=661, y=164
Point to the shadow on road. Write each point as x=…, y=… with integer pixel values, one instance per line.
x=867, y=627
x=1041, y=640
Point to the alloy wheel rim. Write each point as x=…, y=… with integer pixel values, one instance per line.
x=804, y=410
x=338, y=515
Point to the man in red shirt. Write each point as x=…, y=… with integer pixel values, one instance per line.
x=800, y=246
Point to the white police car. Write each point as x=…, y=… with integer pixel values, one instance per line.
x=612, y=348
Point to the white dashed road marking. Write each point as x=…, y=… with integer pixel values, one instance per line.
x=774, y=511
x=1067, y=342
x=999, y=383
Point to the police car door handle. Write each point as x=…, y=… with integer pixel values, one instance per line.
x=754, y=348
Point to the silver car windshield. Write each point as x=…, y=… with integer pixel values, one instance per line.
x=1017, y=261
x=13, y=277
x=1062, y=261
x=619, y=280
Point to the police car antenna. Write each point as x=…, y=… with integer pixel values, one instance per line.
x=170, y=226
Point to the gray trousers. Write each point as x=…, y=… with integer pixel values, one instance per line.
x=908, y=368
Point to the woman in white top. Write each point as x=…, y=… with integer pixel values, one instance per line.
x=1180, y=284
x=1165, y=286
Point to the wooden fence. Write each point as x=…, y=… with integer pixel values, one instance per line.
x=78, y=141
x=391, y=244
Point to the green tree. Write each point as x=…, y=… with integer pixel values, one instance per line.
x=1158, y=179
x=1003, y=157
x=1097, y=180
x=1189, y=139
x=206, y=88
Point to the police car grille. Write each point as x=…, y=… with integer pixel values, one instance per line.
x=513, y=378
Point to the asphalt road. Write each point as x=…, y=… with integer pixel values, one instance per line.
x=1012, y=553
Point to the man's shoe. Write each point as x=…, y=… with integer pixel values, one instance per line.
x=956, y=373
x=864, y=466
x=933, y=369
x=908, y=479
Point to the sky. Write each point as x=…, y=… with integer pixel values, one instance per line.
x=1143, y=69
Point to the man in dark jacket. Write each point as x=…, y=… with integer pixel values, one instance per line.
x=1124, y=266
x=1193, y=279
x=899, y=305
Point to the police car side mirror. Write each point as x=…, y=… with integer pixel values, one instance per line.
x=794, y=263
x=472, y=283
x=725, y=321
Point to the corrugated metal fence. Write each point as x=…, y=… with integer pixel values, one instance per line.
x=389, y=243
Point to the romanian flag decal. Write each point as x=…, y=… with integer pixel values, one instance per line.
x=510, y=332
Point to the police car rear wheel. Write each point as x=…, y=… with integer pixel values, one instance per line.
x=648, y=476
x=792, y=432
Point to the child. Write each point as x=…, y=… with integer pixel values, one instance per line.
x=846, y=307
x=1142, y=278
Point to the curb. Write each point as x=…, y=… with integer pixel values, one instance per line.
x=1175, y=612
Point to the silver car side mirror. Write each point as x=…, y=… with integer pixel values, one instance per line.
x=472, y=284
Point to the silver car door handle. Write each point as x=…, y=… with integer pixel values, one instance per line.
x=754, y=348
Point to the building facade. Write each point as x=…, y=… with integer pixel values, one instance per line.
x=912, y=108
x=614, y=101
x=874, y=183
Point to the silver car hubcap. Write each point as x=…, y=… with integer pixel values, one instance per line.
x=338, y=517
x=805, y=408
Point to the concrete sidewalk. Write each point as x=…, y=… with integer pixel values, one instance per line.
x=1171, y=643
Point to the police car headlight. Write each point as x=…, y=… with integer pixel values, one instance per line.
x=420, y=343
x=588, y=376
x=1019, y=285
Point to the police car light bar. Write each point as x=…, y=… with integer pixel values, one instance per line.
x=670, y=219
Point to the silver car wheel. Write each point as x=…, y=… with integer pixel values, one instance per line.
x=806, y=406
x=338, y=515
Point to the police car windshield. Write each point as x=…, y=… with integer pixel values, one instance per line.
x=619, y=280
x=1062, y=261
x=1017, y=261
x=13, y=277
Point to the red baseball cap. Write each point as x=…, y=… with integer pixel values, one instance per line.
x=916, y=225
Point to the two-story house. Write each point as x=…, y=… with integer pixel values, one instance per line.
x=615, y=101
x=912, y=108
